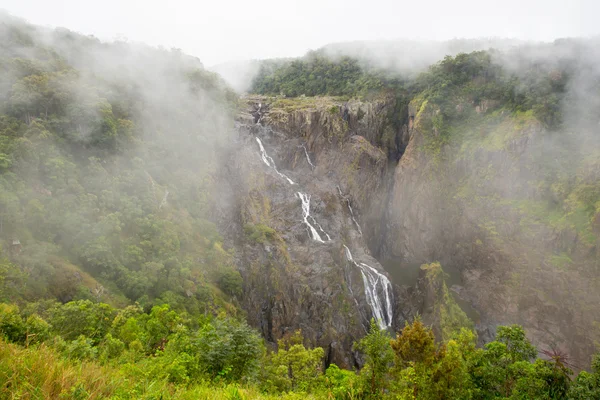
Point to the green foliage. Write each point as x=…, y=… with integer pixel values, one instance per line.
x=449, y=314
x=587, y=385
x=111, y=347
x=230, y=282
x=105, y=184
x=228, y=349
x=517, y=345
x=379, y=356
x=316, y=74
x=457, y=369
x=260, y=233
x=293, y=366
x=82, y=318
x=37, y=329
x=41, y=372
x=477, y=78
x=224, y=356
x=11, y=324
x=81, y=348
x=416, y=344
x=342, y=384
x=504, y=369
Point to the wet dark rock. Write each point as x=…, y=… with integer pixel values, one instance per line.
x=290, y=280
x=407, y=210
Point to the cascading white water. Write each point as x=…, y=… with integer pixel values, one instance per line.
x=353, y=219
x=350, y=209
x=376, y=280
x=270, y=163
x=305, y=198
x=375, y=284
x=308, y=157
x=320, y=227
x=348, y=254
x=259, y=114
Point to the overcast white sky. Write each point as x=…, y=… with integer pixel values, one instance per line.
x=223, y=30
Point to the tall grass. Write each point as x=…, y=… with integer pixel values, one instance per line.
x=41, y=373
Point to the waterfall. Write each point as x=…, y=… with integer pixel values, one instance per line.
x=353, y=219
x=319, y=226
x=348, y=254
x=378, y=288
x=269, y=161
x=375, y=285
x=374, y=282
x=305, y=198
x=350, y=209
x=308, y=157
x=259, y=114
x=164, y=200
x=263, y=154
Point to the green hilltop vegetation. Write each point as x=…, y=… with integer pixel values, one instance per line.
x=469, y=77
x=318, y=75
x=114, y=280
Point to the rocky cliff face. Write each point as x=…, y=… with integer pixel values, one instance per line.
x=467, y=203
x=310, y=190
x=475, y=205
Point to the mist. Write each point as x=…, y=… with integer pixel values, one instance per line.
x=274, y=188
x=117, y=148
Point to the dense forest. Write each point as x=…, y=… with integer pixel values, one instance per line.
x=316, y=74
x=105, y=185
x=536, y=86
x=115, y=281
x=86, y=350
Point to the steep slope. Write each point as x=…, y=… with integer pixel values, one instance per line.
x=518, y=261
x=509, y=201
x=302, y=250
x=107, y=152
x=125, y=183
x=497, y=180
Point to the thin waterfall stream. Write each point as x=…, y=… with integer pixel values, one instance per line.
x=351, y=211
x=308, y=157
x=270, y=163
x=378, y=288
x=305, y=198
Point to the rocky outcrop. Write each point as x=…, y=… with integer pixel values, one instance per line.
x=354, y=143
x=462, y=203
x=465, y=204
x=293, y=280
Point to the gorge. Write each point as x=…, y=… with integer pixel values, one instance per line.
x=278, y=241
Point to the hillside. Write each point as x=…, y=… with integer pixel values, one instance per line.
x=345, y=231
x=496, y=178
x=106, y=171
